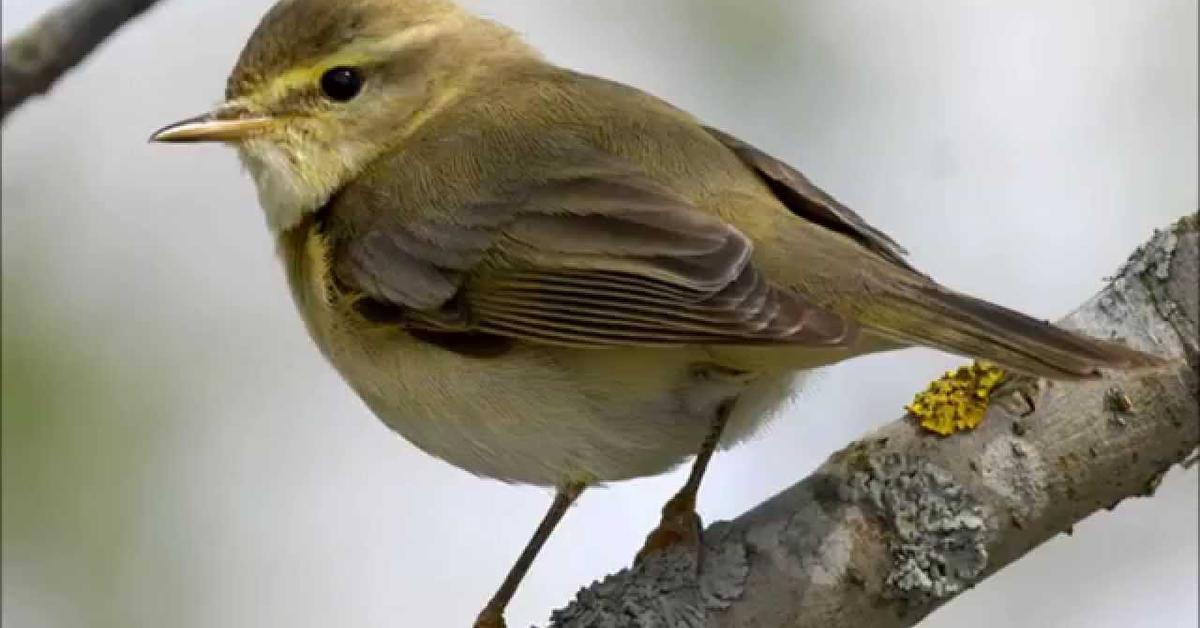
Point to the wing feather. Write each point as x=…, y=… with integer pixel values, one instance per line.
x=598, y=256
x=812, y=203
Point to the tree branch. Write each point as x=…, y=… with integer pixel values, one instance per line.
x=35, y=59
x=900, y=522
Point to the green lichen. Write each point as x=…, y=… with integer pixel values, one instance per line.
x=937, y=531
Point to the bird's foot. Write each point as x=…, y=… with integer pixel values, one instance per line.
x=680, y=527
x=490, y=619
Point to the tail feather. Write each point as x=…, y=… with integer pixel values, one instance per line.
x=933, y=316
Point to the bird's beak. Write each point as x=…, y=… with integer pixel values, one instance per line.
x=227, y=123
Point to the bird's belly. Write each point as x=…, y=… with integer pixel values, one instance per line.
x=546, y=416
x=537, y=414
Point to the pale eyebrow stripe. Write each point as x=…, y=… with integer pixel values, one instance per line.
x=354, y=54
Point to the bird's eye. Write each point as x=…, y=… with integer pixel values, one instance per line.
x=342, y=84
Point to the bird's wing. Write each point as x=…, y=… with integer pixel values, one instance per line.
x=808, y=201
x=598, y=254
x=901, y=303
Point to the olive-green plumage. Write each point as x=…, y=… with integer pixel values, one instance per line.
x=547, y=277
x=553, y=207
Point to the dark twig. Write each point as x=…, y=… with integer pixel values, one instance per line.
x=35, y=59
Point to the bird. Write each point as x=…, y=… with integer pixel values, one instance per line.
x=550, y=278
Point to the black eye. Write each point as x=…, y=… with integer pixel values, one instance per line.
x=342, y=84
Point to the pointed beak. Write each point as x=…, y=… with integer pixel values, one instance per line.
x=225, y=124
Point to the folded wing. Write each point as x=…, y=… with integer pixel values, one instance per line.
x=600, y=255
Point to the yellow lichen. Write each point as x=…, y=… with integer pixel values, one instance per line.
x=957, y=401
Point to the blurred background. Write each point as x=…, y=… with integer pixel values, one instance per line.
x=176, y=453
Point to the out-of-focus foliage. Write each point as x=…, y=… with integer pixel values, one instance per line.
x=80, y=430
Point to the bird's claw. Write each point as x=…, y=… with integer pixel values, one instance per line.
x=490, y=619
x=680, y=526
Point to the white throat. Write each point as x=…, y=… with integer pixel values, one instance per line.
x=284, y=192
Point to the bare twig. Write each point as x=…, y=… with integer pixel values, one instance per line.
x=36, y=58
x=898, y=523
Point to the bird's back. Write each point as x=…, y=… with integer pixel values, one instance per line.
x=526, y=119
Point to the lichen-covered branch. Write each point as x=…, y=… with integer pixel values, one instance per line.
x=36, y=58
x=901, y=521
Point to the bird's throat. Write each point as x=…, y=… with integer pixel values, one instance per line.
x=293, y=184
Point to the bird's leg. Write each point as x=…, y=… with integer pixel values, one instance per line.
x=680, y=523
x=493, y=614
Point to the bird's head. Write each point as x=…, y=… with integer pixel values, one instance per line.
x=323, y=87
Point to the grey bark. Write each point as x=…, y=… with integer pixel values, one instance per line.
x=901, y=521
x=35, y=59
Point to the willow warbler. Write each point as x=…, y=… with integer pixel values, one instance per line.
x=550, y=278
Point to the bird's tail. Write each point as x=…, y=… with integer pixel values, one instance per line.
x=934, y=316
